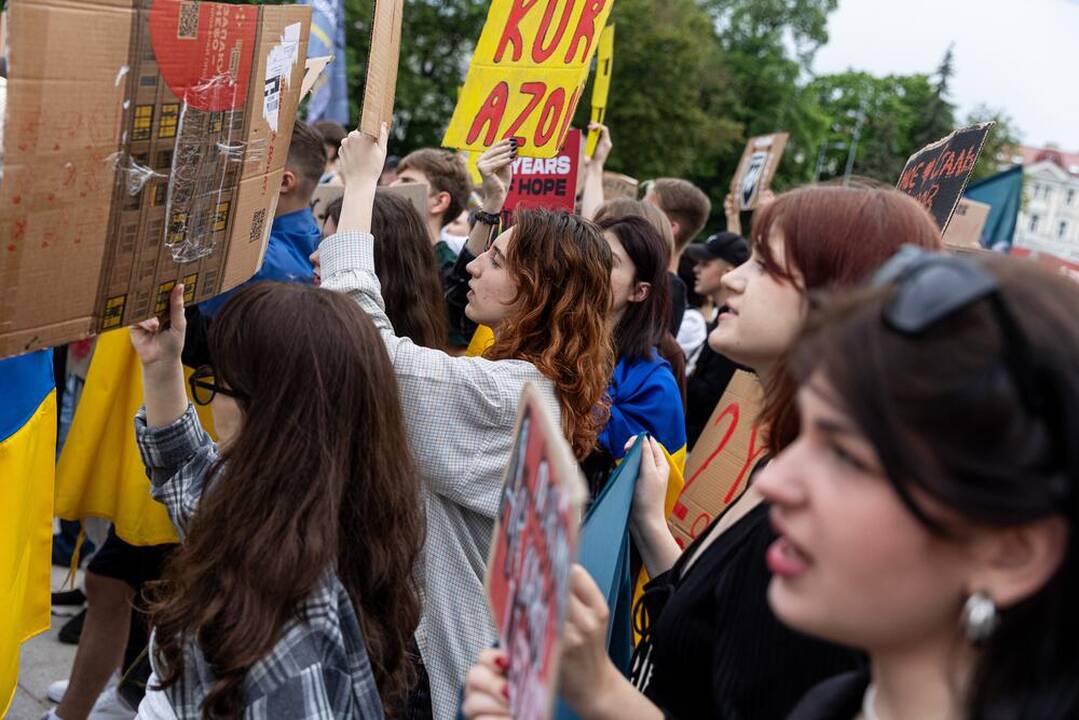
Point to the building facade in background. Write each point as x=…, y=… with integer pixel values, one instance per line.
x=1049, y=217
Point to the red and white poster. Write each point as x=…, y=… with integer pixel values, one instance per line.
x=533, y=548
x=545, y=182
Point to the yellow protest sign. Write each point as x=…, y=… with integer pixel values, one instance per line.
x=601, y=86
x=527, y=74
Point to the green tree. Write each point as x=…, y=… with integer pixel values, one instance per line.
x=999, y=146
x=437, y=40
x=880, y=120
x=669, y=93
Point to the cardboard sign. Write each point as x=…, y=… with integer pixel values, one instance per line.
x=532, y=550
x=965, y=229
x=381, y=87
x=756, y=169
x=601, y=85
x=545, y=182
x=324, y=195
x=718, y=469
x=617, y=185
x=312, y=72
x=937, y=174
x=145, y=146
x=527, y=74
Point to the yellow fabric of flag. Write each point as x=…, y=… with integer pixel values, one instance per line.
x=27, y=463
x=100, y=473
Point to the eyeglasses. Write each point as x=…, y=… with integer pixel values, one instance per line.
x=203, y=387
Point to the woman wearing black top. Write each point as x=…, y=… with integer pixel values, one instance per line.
x=712, y=646
x=927, y=511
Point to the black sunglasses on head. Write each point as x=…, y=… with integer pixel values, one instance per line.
x=203, y=387
x=931, y=287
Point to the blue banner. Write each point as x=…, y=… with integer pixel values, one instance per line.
x=1004, y=194
x=329, y=99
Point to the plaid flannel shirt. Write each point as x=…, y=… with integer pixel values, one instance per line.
x=460, y=414
x=319, y=669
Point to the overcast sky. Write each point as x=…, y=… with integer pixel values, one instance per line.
x=1019, y=55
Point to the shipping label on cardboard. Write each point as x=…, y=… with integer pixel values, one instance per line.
x=527, y=75
x=758, y=166
x=937, y=175
x=532, y=549
x=717, y=471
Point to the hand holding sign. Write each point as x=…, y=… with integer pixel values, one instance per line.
x=586, y=667
x=362, y=157
x=603, y=144
x=496, y=170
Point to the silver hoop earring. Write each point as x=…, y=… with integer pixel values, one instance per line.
x=980, y=618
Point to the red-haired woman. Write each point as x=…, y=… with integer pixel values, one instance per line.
x=711, y=646
x=544, y=287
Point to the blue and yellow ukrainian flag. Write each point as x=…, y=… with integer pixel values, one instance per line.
x=27, y=465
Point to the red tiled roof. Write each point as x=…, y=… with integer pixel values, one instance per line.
x=1065, y=160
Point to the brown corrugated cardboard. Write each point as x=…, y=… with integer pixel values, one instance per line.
x=756, y=169
x=718, y=469
x=965, y=229
x=414, y=193
x=145, y=146
x=382, y=67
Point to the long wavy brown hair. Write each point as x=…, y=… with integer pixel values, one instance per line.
x=835, y=237
x=559, y=323
x=317, y=480
x=408, y=272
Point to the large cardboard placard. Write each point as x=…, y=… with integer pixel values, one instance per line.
x=965, y=229
x=756, y=169
x=545, y=182
x=617, y=185
x=381, y=87
x=937, y=174
x=532, y=550
x=601, y=85
x=324, y=195
x=718, y=469
x=527, y=74
x=145, y=145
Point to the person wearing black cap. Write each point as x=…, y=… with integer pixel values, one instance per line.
x=712, y=372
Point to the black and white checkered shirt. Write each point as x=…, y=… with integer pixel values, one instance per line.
x=460, y=414
x=319, y=669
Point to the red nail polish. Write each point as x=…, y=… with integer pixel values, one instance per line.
x=506, y=691
x=502, y=662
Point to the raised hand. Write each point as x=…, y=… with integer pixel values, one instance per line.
x=496, y=169
x=157, y=345
x=361, y=157
x=604, y=146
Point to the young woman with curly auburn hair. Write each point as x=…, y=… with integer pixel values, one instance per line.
x=544, y=287
x=292, y=593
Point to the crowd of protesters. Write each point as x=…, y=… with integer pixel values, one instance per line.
x=905, y=547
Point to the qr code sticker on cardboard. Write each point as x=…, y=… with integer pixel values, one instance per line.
x=188, y=29
x=258, y=221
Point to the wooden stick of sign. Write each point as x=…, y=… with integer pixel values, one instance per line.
x=382, y=67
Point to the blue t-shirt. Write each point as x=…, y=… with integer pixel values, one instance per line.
x=644, y=398
x=293, y=238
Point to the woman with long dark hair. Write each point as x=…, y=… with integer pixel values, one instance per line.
x=291, y=594
x=644, y=390
x=544, y=288
x=407, y=269
x=927, y=509
x=710, y=646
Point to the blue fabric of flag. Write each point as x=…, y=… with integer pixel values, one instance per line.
x=1003, y=192
x=329, y=99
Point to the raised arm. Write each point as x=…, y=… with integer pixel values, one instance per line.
x=496, y=169
x=175, y=450
x=592, y=198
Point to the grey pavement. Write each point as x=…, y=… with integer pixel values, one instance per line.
x=43, y=660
